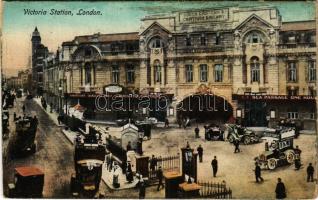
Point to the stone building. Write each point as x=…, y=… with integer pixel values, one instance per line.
x=39, y=53
x=216, y=64
x=22, y=81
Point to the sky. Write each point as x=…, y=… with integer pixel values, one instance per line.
x=116, y=17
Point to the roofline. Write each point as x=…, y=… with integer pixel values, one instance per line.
x=311, y=20
x=107, y=34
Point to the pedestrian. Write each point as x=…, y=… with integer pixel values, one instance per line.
x=153, y=163
x=124, y=166
x=297, y=158
x=280, y=190
x=197, y=131
x=14, y=116
x=160, y=177
x=23, y=108
x=214, y=164
x=188, y=145
x=142, y=188
x=166, y=123
x=258, y=172
x=110, y=164
x=200, y=153
x=129, y=174
x=237, y=145
x=310, y=173
x=128, y=147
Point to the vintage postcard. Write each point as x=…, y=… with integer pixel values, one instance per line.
x=159, y=99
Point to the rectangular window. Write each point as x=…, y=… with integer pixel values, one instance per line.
x=188, y=41
x=203, y=40
x=312, y=70
x=115, y=74
x=292, y=72
x=272, y=114
x=158, y=73
x=218, y=73
x=203, y=73
x=255, y=72
x=88, y=77
x=293, y=115
x=311, y=91
x=292, y=92
x=189, y=73
x=130, y=74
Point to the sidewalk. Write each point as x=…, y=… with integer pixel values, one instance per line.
x=52, y=115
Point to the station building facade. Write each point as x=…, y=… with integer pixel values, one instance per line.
x=242, y=64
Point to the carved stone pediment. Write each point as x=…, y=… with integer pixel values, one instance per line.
x=155, y=29
x=253, y=22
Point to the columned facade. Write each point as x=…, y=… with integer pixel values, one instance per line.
x=249, y=58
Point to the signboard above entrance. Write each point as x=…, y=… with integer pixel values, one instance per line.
x=201, y=16
x=272, y=97
x=113, y=89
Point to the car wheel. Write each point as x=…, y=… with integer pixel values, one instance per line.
x=247, y=140
x=290, y=156
x=271, y=163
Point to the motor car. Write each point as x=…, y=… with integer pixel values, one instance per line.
x=213, y=132
x=279, y=149
x=28, y=183
x=244, y=135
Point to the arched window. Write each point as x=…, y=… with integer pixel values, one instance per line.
x=255, y=37
x=255, y=69
x=156, y=42
x=157, y=67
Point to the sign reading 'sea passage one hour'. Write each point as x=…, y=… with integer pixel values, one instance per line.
x=204, y=16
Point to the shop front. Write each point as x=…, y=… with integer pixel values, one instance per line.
x=118, y=102
x=267, y=110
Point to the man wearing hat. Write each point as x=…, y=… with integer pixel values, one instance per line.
x=160, y=177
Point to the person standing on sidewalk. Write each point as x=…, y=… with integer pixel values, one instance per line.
x=310, y=173
x=142, y=188
x=160, y=177
x=237, y=145
x=166, y=123
x=200, y=153
x=280, y=189
x=214, y=164
x=23, y=108
x=258, y=173
x=197, y=131
x=297, y=158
